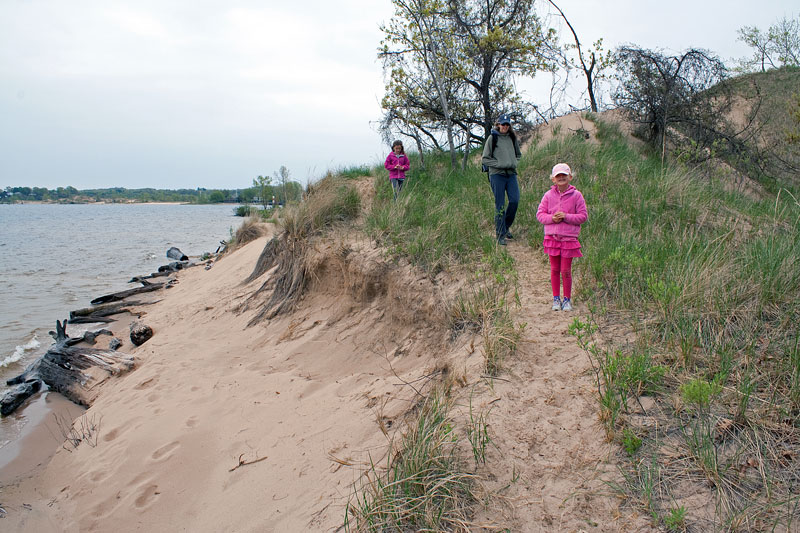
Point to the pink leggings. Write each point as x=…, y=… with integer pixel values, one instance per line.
x=561, y=269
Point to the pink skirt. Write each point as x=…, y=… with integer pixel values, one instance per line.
x=568, y=248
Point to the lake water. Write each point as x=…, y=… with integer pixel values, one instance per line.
x=57, y=258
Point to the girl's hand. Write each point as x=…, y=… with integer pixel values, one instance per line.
x=558, y=216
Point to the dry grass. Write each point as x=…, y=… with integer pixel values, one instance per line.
x=332, y=200
x=425, y=486
x=251, y=229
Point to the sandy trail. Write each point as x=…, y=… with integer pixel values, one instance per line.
x=551, y=450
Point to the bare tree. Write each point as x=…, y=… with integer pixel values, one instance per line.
x=659, y=91
x=282, y=177
x=594, y=61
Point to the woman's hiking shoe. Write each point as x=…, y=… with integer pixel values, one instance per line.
x=501, y=241
x=566, y=305
x=509, y=236
x=556, y=303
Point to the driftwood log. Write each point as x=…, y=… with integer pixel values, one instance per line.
x=140, y=333
x=71, y=370
x=118, y=296
x=101, y=313
x=176, y=254
x=173, y=267
x=74, y=371
x=138, y=279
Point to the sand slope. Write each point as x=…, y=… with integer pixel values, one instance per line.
x=222, y=427
x=300, y=395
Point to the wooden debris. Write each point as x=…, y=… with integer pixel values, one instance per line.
x=66, y=368
x=140, y=333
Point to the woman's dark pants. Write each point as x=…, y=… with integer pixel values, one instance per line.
x=504, y=215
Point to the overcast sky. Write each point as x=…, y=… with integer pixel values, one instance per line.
x=146, y=93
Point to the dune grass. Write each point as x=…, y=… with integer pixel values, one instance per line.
x=709, y=281
x=424, y=485
x=444, y=220
x=329, y=201
x=250, y=230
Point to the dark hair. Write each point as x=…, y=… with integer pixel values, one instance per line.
x=400, y=144
x=510, y=132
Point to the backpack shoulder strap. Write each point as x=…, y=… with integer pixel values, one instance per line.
x=494, y=142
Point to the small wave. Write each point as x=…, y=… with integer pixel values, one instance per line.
x=20, y=351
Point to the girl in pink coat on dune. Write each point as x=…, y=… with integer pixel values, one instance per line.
x=397, y=164
x=562, y=211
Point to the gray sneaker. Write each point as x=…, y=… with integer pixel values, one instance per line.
x=556, y=303
x=566, y=305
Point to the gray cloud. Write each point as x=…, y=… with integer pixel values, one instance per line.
x=165, y=94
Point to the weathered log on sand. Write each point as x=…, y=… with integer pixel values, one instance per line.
x=117, y=296
x=176, y=254
x=140, y=333
x=108, y=309
x=101, y=313
x=74, y=371
x=173, y=267
x=89, y=337
x=14, y=397
x=138, y=279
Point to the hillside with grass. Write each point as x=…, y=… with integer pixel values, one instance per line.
x=687, y=303
x=689, y=298
x=380, y=365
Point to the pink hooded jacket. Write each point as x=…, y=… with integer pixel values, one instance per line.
x=571, y=202
x=397, y=173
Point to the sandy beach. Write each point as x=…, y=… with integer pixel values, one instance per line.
x=210, y=395
x=223, y=426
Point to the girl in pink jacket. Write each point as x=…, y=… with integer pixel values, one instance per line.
x=397, y=164
x=562, y=211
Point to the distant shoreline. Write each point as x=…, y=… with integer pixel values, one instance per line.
x=39, y=202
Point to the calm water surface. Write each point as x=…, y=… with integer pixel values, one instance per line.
x=57, y=258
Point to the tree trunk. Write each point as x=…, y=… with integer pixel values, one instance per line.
x=73, y=371
x=466, y=150
x=117, y=296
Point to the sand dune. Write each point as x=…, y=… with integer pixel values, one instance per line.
x=303, y=393
x=224, y=427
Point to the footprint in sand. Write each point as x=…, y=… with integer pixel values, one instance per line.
x=99, y=476
x=146, y=496
x=165, y=452
x=103, y=510
x=191, y=422
x=146, y=384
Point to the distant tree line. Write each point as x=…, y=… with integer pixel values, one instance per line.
x=266, y=194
